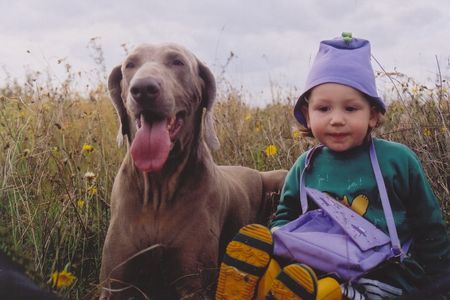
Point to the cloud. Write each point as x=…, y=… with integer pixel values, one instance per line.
x=272, y=42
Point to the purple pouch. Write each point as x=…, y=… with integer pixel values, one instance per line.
x=333, y=239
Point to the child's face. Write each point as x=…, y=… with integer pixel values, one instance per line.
x=339, y=116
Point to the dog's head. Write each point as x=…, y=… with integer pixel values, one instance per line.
x=163, y=94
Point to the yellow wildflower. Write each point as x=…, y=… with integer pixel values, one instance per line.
x=26, y=152
x=271, y=150
x=80, y=203
x=45, y=107
x=92, y=191
x=414, y=90
x=88, y=148
x=426, y=132
x=62, y=279
x=296, y=134
x=248, y=117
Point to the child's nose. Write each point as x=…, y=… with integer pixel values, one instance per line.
x=337, y=118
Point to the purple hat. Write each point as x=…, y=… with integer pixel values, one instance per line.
x=344, y=60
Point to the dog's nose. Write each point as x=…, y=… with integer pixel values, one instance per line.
x=145, y=89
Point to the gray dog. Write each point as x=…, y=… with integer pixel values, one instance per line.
x=173, y=210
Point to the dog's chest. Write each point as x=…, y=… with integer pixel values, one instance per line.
x=168, y=227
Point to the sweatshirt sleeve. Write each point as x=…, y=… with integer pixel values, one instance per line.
x=430, y=239
x=289, y=207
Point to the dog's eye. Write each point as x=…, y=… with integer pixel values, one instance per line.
x=177, y=62
x=129, y=65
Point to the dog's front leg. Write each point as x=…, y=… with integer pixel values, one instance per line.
x=117, y=251
x=197, y=270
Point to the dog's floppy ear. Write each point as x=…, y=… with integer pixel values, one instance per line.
x=208, y=97
x=115, y=91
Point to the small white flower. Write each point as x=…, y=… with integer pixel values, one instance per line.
x=89, y=175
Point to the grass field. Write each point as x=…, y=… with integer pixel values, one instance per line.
x=59, y=157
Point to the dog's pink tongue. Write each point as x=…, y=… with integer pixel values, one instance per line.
x=151, y=146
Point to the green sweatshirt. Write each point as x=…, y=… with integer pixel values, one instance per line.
x=348, y=177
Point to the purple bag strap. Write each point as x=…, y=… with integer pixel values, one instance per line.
x=308, y=160
x=396, y=248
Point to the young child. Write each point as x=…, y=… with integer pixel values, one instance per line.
x=340, y=107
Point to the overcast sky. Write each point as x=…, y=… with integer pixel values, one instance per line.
x=273, y=42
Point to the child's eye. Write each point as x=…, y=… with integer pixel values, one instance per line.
x=351, y=108
x=323, y=108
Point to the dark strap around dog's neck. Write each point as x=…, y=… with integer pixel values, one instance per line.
x=396, y=248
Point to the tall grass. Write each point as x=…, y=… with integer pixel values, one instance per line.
x=59, y=158
x=54, y=192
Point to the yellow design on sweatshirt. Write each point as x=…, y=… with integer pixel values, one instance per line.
x=345, y=201
x=360, y=204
